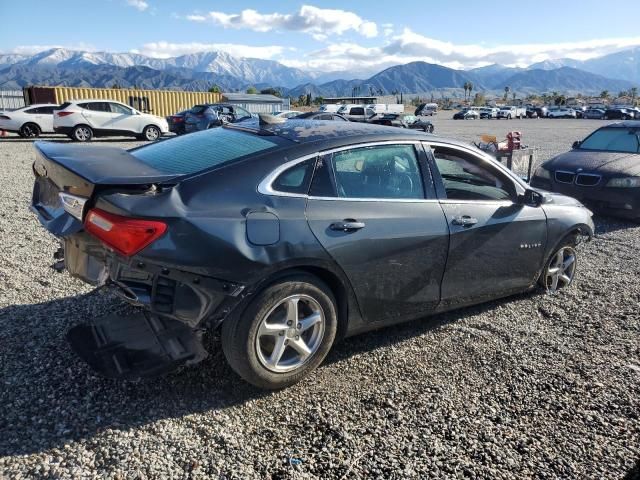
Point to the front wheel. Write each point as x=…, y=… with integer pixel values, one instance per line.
x=151, y=133
x=283, y=334
x=561, y=267
x=82, y=133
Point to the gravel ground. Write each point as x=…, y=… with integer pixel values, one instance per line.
x=532, y=386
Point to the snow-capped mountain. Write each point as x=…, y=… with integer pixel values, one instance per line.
x=249, y=70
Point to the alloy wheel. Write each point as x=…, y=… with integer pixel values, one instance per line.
x=561, y=269
x=290, y=333
x=82, y=134
x=151, y=133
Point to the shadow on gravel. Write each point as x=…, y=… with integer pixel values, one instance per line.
x=611, y=224
x=634, y=473
x=50, y=397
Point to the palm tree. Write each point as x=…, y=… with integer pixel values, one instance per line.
x=634, y=92
x=470, y=85
x=466, y=87
x=506, y=92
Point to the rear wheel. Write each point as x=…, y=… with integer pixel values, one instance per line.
x=561, y=267
x=283, y=334
x=151, y=133
x=82, y=133
x=29, y=130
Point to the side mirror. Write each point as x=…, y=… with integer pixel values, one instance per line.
x=531, y=198
x=576, y=144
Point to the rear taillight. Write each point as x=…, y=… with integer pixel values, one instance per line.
x=64, y=114
x=4, y=117
x=123, y=234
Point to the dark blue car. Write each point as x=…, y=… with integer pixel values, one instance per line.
x=203, y=117
x=289, y=237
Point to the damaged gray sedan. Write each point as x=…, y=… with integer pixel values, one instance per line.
x=289, y=237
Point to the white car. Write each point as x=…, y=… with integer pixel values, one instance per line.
x=82, y=120
x=561, y=112
x=286, y=113
x=28, y=121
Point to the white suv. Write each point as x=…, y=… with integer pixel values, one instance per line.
x=84, y=119
x=28, y=121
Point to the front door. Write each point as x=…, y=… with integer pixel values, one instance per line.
x=497, y=244
x=373, y=209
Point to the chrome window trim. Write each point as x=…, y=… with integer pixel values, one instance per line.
x=265, y=187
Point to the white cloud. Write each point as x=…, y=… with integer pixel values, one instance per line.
x=318, y=22
x=166, y=49
x=409, y=46
x=138, y=4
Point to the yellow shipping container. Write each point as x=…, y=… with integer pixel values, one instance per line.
x=157, y=102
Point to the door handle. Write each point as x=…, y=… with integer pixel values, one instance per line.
x=464, y=221
x=347, y=225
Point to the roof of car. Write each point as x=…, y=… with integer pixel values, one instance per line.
x=306, y=131
x=625, y=124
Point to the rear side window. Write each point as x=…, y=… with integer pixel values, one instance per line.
x=31, y=111
x=296, y=179
x=48, y=110
x=199, y=151
x=197, y=109
x=357, y=111
x=65, y=105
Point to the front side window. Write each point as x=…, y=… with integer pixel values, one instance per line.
x=613, y=140
x=466, y=177
x=357, y=111
x=384, y=172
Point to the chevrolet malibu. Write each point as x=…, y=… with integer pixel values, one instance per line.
x=289, y=237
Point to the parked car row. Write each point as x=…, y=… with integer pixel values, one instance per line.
x=508, y=112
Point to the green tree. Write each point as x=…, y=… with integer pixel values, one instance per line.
x=604, y=94
x=215, y=89
x=318, y=100
x=252, y=90
x=634, y=93
x=479, y=100
x=271, y=91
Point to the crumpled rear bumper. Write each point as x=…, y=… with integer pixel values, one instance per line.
x=136, y=346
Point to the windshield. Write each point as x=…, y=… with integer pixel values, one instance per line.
x=613, y=140
x=198, y=151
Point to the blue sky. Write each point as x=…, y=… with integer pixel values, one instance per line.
x=329, y=35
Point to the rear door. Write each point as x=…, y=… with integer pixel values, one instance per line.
x=97, y=114
x=373, y=209
x=496, y=245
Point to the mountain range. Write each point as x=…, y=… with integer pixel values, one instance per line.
x=199, y=71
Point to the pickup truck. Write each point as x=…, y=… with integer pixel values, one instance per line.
x=512, y=112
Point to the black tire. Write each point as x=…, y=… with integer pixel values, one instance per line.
x=29, y=130
x=239, y=334
x=570, y=241
x=82, y=133
x=151, y=133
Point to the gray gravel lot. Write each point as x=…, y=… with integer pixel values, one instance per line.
x=531, y=386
